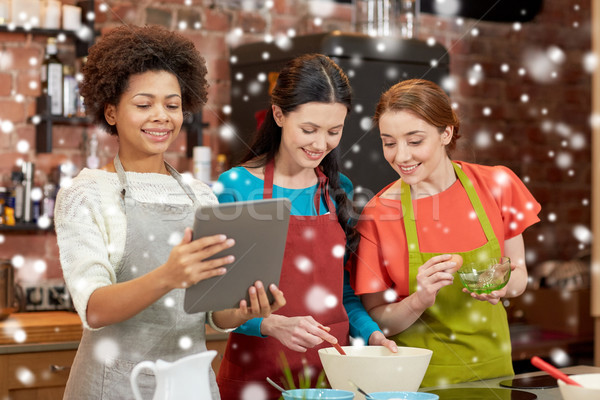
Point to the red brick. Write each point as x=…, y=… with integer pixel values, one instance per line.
x=12, y=111
x=125, y=12
x=208, y=45
x=46, y=162
x=6, y=84
x=67, y=137
x=218, y=69
x=18, y=58
x=25, y=80
x=218, y=93
x=216, y=20
x=250, y=22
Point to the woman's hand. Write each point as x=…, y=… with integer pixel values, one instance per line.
x=259, y=302
x=188, y=264
x=296, y=333
x=431, y=277
x=494, y=297
x=259, y=307
x=377, y=338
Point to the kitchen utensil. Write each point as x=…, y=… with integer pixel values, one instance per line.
x=317, y=394
x=184, y=379
x=376, y=368
x=589, y=387
x=367, y=395
x=8, y=303
x=485, y=276
x=336, y=344
x=404, y=396
x=544, y=366
x=276, y=386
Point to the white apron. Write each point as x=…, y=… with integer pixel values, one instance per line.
x=106, y=357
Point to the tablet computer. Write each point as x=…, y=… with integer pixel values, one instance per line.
x=259, y=228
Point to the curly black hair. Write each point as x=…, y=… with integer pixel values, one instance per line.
x=130, y=50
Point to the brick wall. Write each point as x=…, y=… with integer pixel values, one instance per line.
x=536, y=124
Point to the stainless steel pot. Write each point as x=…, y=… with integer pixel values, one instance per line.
x=8, y=299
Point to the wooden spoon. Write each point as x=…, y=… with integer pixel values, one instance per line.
x=552, y=370
x=336, y=344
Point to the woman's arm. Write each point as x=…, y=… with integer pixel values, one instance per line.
x=361, y=323
x=514, y=248
x=186, y=266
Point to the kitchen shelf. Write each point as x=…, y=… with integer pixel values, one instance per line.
x=43, y=127
x=25, y=228
x=81, y=46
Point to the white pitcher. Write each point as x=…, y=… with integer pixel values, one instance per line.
x=184, y=379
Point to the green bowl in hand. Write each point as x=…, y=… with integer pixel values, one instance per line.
x=485, y=277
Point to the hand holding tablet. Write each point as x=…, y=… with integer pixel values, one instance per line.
x=259, y=229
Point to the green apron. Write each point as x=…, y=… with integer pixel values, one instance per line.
x=469, y=338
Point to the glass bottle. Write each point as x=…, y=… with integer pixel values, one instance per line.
x=52, y=78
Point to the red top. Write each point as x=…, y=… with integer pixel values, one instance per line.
x=446, y=223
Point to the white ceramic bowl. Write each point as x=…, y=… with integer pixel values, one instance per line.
x=589, y=391
x=375, y=368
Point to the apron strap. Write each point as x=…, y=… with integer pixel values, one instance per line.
x=322, y=187
x=410, y=226
x=125, y=192
x=122, y=177
x=409, y=216
x=475, y=202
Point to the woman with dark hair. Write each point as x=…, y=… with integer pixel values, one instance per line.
x=402, y=267
x=126, y=248
x=295, y=155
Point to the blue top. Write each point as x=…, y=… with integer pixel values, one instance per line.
x=238, y=184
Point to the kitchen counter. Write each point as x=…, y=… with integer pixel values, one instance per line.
x=542, y=394
x=51, y=330
x=40, y=331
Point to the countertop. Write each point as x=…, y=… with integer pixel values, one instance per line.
x=40, y=331
x=51, y=331
x=542, y=394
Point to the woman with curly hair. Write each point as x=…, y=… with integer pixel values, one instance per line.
x=125, y=247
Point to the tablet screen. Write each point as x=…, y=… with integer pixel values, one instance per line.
x=259, y=229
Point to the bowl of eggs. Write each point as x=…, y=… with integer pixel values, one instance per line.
x=485, y=276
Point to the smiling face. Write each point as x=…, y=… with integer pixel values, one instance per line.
x=148, y=116
x=415, y=149
x=310, y=132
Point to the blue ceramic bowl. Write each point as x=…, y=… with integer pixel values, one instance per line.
x=404, y=396
x=317, y=394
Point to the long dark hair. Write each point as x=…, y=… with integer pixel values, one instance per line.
x=305, y=79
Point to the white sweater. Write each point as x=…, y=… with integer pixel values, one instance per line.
x=91, y=226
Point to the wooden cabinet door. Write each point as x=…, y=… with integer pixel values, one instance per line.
x=37, y=376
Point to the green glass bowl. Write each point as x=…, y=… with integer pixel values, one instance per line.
x=485, y=277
